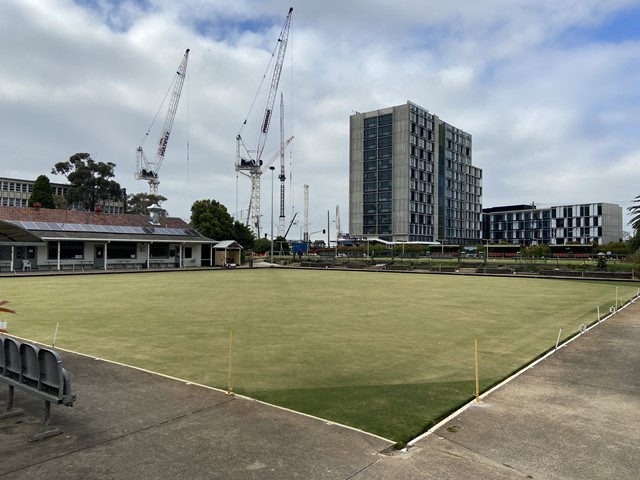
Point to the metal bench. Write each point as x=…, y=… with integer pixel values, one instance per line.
x=38, y=372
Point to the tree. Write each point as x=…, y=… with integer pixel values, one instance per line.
x=42, y=193
x=262, y=245
x=91, y=182
x=243, y=235
x=634, y=210
x=280, y=245
x=634, y=242
x=137, y=203
x=212, y=220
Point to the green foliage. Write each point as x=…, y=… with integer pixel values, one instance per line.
x=634, y=210
x=91, y=182
x=262, y=245
x=634, y=242
x=212, y=220
x=280, y=245
x=535, y=251
x=42, y=193
x=616, y=248
x=137, y=203
x=243, y=235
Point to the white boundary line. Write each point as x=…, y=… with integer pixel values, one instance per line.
x=328, y=422
x=438, y=425
x=208, y=387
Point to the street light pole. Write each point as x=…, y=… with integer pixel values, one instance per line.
x=272, y=168
x=328, y=234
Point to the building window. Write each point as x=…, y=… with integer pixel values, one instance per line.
x=370, y=208
x=370, y=187
x=68, y=250
x=370, y=122
x=384, y=142
x=159, y=250
x=384, y=131
x=384, y=163
x=122, y=250
x=370, y=143
x=384, y=152
x=385, y=119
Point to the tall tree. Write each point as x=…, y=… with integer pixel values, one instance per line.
x=137, y=203
x=634, y=210
x=243, y=235
x=42, y=193
x=91, y=182
x=212, y=220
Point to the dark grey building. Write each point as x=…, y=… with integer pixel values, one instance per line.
x=411, y=178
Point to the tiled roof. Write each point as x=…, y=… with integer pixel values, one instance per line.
x=68, y=224
x=27, y=214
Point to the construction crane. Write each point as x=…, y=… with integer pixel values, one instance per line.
x=149, y=170
x=260, y=171
x=253, y=167
x=282, y=177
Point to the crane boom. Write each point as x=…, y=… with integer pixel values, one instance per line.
x=149, y=170
x=253, y=167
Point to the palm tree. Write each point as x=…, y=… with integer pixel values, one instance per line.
x=634, y=210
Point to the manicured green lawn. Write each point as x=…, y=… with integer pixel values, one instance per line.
x=389, y=353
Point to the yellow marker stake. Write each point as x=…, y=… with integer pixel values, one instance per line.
x=477, y=376
x=55, y=335
x=229, y=388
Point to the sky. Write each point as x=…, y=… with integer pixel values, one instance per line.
x=547, y=88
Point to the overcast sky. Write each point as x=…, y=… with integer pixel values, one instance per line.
x=549, y=90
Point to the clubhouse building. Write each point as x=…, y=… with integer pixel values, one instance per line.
x=51, y=239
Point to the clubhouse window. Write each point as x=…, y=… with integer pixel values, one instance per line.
x=159, y=250
x=122, y=250
x=68, y=250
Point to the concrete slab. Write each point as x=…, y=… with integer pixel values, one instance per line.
x=128, y=423
x=573, y=416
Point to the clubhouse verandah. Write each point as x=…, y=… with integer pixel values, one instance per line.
x=49, y=239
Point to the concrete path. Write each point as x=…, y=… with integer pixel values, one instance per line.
x=575, y=415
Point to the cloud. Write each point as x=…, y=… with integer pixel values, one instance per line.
x=547, y=88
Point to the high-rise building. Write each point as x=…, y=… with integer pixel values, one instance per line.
x=411, y=178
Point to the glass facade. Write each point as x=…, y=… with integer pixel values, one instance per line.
x=378, y=175
x=597, y=223
x=412, y=178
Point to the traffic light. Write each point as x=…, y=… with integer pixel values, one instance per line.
x=324, y=230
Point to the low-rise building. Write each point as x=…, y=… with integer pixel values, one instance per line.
x=49, y=239
x=590, y=223
x=15, y=192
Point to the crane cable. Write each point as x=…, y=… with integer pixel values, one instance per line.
x=264, y=76
x=188, y=120
x=158, y=112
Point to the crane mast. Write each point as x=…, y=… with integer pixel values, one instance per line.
x=252, y=167
x=149, y=170
x=281, y=177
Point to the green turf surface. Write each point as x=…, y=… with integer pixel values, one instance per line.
x=389, y=353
